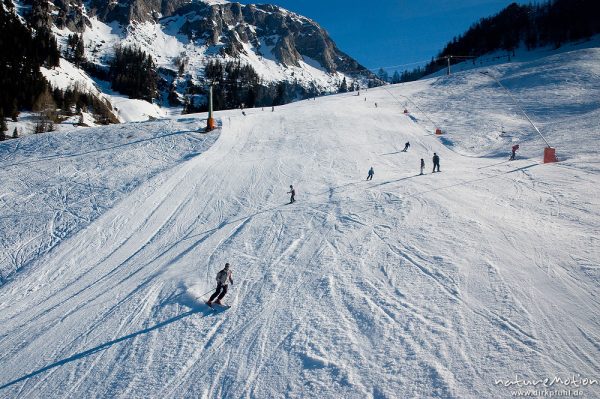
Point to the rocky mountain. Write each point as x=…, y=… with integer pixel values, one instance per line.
x=291, y=37
x=291, y=56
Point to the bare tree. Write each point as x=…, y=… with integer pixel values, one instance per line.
x=45, y=106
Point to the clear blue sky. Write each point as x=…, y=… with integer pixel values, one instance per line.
x=384, y=33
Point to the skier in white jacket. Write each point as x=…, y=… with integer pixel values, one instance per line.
x=223, y=279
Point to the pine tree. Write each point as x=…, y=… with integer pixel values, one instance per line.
x=383, y=75
x=343, y=86
x=14, y=113
x=3, y=127
x=79, y=53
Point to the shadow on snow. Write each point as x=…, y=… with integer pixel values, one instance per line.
x=102, y=347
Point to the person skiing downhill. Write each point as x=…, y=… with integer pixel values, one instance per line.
x=371, y=173
x=406, y=146
x=223, y=279
x=422, y=165
x=514, y=152
x=293, y=193
x=436, y=162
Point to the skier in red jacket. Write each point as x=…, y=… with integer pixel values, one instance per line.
x=514, y=152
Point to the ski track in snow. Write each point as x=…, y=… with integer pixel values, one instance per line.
x=404, y=286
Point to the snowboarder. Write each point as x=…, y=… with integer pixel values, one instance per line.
x=406, y=146
x=514, y=152
x=223, y=279
x=371, y=173
x=436, y=162
x=422, y=165
x=273, y=109
x=293, y=193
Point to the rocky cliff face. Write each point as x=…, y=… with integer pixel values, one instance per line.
x=231, y=27
x=128, y=11
x=291, y=36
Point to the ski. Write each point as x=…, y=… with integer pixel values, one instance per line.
x=216, y=307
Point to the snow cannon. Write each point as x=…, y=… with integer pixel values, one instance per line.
x=550, y=155
x=438, y=131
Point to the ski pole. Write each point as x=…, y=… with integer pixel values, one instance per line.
x=208, y=292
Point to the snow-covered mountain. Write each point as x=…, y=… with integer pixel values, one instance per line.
x=467, y=283
x=182, y=37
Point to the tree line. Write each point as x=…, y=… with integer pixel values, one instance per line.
x=238, y=85
x=553, y=23
x=24, y=50
x=27, y=47
x=133, y=72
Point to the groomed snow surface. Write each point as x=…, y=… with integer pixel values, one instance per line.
x=445, y=285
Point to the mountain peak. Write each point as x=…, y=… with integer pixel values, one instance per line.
x=291, y=56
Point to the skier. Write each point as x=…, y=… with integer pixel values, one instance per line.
x=293, y=192
x=422, y=165
x=514, y=152
x=223, y=279
x=371, y=173
x=375, y=105
x=436, y=162
x=406, y=146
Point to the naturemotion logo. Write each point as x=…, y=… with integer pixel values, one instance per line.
x=547, y=387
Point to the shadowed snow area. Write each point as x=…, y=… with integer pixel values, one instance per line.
x=404, y=286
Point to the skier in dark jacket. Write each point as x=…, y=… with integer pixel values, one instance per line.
x=422, y=165
x=406, y=146
x=371, y=173
x=436, y=162
x=223, y=279
x=293, y=193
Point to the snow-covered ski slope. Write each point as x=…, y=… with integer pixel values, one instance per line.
x=444, y=285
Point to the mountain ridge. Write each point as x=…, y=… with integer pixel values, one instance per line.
x=182, y=37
